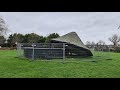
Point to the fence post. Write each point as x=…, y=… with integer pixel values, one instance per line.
x=18, y=46
x=63, y=51
x=20, y=50
x=33, y=52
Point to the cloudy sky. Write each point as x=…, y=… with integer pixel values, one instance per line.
x=90, y=26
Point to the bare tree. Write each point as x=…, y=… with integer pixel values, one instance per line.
x=100, y=45
x=88, y=44
x=114, y=39
x=2, y=40
x=92, y=44
x=3, y=27
x=101, y=42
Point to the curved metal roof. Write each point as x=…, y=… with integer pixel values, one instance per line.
x=71, y=38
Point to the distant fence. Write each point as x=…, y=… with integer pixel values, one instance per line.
x=104, y=48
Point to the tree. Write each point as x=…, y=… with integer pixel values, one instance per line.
x=51, y=36
x=101, y=42
x=3, y=27
x=92, y=44
x=41, y=39
x=32, y=38
x=29, y=38
x=100, y=45
x=13, y=38
x=88, y=44
x=2, y=40
x=114, y=39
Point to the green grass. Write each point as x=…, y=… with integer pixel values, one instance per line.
x=12, y=67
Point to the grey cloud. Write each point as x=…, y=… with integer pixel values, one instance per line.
x=92, y=26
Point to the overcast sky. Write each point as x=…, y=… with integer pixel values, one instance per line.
x=90, y=26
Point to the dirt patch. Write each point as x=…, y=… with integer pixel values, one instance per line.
x=8, y=48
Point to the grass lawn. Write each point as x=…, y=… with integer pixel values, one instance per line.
x=12, y=67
